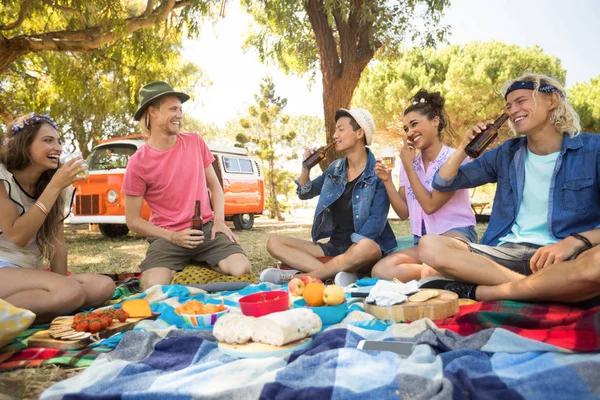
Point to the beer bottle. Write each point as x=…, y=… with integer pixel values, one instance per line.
x=483, y=140
x=317, y=156
x=197, y=218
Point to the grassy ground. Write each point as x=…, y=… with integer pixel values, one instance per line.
x=90, y=252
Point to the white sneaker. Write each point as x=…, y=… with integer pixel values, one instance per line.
x=277, y=276
x=344, y=279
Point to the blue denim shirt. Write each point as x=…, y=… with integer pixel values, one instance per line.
x=574, y=199
x=370, y=204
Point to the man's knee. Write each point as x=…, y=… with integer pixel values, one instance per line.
x=589, y=265
x=156, y=276
x=235, y=265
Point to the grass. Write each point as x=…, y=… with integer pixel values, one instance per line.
x=90, y=252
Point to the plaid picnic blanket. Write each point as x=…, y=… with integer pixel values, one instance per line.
x=557, y=324
x=493, y=363
x=18, y=355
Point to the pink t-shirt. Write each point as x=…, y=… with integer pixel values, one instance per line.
x=456, y=213
x=171, y=181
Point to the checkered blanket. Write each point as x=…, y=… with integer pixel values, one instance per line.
x=556, y=324
x=493, y=363
x=530, y=356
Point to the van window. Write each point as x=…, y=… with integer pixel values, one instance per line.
x=110, y=157
x=231, y=164
x=239, y=165
x=245, y=166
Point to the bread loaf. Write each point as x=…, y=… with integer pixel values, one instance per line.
x=275, y=329
x=234, y=328
x=284, y=327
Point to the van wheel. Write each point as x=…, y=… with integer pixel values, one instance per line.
x=113, y=230
x=243, y=221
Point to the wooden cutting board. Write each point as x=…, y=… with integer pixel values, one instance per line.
x=443, y=306
x=261, y=350
x=43, y=338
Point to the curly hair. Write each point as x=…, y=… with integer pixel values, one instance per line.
x=564, y=117
x=431, y=105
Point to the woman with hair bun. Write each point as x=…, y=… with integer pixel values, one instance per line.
x=35, y=197
x=430, y=211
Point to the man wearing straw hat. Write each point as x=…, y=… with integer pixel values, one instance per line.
x=172, y=171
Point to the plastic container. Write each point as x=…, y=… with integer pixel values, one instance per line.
x=329, y=314
x=263, y=303
x=203, y=320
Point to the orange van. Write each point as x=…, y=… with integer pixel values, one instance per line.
x=99, y=199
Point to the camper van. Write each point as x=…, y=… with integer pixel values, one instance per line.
x=99, y=199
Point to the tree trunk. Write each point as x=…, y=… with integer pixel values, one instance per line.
x=336, y=95
x=276, y=211
x=342, y=62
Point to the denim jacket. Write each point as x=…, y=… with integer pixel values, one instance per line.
x=574, y=199
x=370, y=204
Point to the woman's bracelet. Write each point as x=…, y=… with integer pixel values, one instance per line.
x=42, y=207
x=583, y=239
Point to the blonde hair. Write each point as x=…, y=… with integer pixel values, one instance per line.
x=564, y=117
x=145, y=125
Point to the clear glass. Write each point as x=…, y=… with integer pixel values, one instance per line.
x=66, y=157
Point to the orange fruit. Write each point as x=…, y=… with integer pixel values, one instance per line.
x=313, y=294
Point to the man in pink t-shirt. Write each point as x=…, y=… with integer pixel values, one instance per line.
x=172, y=171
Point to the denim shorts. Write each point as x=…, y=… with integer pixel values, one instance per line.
x=514, y=256
x=468, y=231
x=332, y=250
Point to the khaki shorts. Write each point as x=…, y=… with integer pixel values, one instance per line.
x=163, y=253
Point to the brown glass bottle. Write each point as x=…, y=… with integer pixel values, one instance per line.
x=317, y=156
x=197, y=218
x=483, y=140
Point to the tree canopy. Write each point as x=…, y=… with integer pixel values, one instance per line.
x=28, y=26
x=585, y=98
x=92, y=92
x=468, y=76
x=266, y=136
x=340, y=37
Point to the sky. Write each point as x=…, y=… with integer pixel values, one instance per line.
x=569, y=30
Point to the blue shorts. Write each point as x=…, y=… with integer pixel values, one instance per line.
x=468, y=231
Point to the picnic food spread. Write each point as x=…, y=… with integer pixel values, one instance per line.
x=138, y=308
x=197, y=307
x=276, y=329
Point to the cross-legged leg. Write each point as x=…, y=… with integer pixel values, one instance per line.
x=236, y=264
x=568, y=281
x=363, y=254
x=452, y=259
x=297, y=253
x=403, y=265
x=156, y=276
x=49, y=295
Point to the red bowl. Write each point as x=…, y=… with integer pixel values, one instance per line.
x=263, y=303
